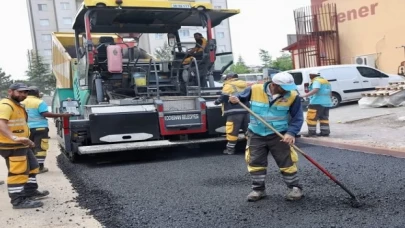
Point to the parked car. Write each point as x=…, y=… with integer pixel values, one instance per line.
x=348, y=81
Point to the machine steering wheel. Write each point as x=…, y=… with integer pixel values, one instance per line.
x=187, y=50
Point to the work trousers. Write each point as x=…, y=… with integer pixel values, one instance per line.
x=317, y=113
x=22, y=170
x=234, y=123
x=257, y=151
x=41, y=139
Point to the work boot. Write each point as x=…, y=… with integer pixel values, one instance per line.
x=1, y=182
x=229, y=151
x=294, y=193
x=43, y=170
x=28, y=204
x=256, y=195
x=322, y=135
x=37, y=195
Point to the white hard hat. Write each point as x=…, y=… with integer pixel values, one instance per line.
x=314, y=72
x=285, y=80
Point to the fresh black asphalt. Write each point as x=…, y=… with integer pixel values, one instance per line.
x=183, y=187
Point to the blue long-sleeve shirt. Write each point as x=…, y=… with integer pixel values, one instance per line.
x=296, y=112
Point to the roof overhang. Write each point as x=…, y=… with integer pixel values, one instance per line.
x=303, y=41
x=146, y=20
x=291, y=47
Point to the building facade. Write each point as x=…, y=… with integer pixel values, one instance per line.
x=370, y=32
x=47, y=16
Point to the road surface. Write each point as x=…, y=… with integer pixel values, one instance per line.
x=203, y=188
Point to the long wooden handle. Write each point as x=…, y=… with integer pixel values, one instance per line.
x=269, y=126
x=261, y=119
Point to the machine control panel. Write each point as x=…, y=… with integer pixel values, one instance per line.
x=70, y=106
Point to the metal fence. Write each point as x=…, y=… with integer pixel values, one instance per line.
x=317, y=35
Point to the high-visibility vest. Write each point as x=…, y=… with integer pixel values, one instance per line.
x=35, y=119
x=277, y=115
x=203, y=45
x=322, y=97
x=17, y=125
x=233, y=87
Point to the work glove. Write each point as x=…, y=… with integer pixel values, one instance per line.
x=216, y=102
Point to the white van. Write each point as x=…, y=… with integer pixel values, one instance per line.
x=348, y=81
x=250, y=79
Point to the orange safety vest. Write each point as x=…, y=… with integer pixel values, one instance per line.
x=17, y=125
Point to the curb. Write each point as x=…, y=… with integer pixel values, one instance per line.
x=366, y=118
x=359, y=148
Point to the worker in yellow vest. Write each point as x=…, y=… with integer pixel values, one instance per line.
x=198, y=50
x=237, y=118
x=15, y=147
x=278, y=103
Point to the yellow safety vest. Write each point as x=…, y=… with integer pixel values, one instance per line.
x=203, y=44
x=17, y=125
x=233, y=87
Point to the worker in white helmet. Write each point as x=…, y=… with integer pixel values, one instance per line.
x=278, y=103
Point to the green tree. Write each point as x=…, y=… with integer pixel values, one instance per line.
x=5, y=82
x=164, y=53
x=21, y=81
x=39, y=73
x=283, y=63
x=239, y=68
x=266, y=58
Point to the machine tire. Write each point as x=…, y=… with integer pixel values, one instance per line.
x=336, y=99
x=72, y=156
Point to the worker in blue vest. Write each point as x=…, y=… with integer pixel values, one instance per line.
x=38, y=113
x=278, y=103
x=320, y=92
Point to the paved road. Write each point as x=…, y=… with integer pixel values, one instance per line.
x=202, y=188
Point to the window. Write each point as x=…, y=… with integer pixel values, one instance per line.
x=46, y=37
x=158, y=36
x=242, y=77
x=251, y=78
x=221, y=48
x=42, y=7
x=184, y=33
x=47, y=52
x=67, y=21
x=65, y=5
x=221, y=35
x=297, y=77
x=44, y=22
x=370, y=73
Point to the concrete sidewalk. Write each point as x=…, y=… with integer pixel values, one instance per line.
x=371, y=129
x=60, y=209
